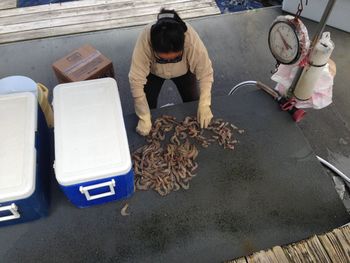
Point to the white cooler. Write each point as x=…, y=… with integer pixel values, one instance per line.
x=92, y=157
x=23, y=161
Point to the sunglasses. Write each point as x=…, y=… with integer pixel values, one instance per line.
x=165, y=61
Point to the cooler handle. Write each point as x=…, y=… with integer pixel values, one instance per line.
x=85, y=190
x=14, y=211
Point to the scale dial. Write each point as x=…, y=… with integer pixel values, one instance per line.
x=284, y=42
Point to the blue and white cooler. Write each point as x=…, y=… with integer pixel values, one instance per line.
x=23, y=169
x=92, y=157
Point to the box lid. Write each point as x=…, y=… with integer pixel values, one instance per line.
x=90, y=136
x=18, y=122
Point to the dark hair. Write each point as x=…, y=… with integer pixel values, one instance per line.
x=168, y=33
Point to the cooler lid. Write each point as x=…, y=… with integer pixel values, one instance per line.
x=18, y=122
x=90, y=136
x=14, y=84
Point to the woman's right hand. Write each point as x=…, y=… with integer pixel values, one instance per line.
x=144, y=127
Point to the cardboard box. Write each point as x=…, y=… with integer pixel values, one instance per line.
x=83, y=64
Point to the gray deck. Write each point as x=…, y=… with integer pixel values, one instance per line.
x=270, y=191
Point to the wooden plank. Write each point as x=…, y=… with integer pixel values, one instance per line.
x=96, y=26
x=70, y=5
x=274, y=255
x=238, y=260
x=317, y=249
x=330, y=247
x=343, y=243
x=302, y=252
x=85, y=10
x=100, y=16
x=306, y=254
x=346, y=232
x=337, y=247
x=292, y=254
x=241, y=260
x=331, y=251
x=271, y=256
x=258, y=257
x=52, y=14
x=265, y=257
x=279, y=254
x=5, y=4
x=56, y=6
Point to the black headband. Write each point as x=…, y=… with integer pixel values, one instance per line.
x=171, y=18
x=166, y=15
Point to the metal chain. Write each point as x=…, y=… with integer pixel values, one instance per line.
x=300, y=8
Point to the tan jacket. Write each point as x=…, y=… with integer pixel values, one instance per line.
x=195, y=58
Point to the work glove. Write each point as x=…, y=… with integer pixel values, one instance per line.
x=204, y=116
x=142, y=111
x=144, y=126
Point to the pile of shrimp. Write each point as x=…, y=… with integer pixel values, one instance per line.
x=168, y=161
